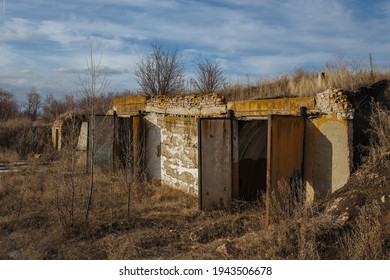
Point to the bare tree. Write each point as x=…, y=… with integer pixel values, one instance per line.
x=33, y=103
x=93, y=84
x=8, y=105
x=209, y=76
x=160, y=73
x=53, y=107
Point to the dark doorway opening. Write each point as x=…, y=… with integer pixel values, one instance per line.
x=252, y=158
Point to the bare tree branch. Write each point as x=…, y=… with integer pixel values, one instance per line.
x=33, y=104
x=93, y=85
x=210, y=76
x=8, y=105
x=161, y=72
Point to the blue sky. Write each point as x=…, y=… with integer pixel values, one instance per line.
x=44, y=43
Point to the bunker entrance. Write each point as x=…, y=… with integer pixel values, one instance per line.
x=232, y=160
x=252, y=159
x=245, y=158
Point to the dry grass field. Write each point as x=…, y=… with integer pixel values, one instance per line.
x=43, y=207
x=43, y=217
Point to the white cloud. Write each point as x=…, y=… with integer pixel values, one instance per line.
x=270, y=37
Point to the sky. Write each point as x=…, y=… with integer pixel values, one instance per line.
x=45, y=43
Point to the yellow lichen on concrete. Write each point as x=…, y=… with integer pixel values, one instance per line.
x=330, y=117
x=129, y=105
x=283, y=106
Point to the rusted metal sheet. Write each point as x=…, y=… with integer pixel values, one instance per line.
x=215, y=167
x=101, y=140
x=138, y=145
x=123, y=144
x=284, y=151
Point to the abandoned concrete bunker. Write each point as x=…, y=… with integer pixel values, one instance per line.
x=223, y=150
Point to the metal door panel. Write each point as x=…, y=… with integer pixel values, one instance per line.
x=284, y=151
x=215, y=165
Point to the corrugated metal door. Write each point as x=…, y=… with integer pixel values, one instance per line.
x=284, y=150
x=215, y=163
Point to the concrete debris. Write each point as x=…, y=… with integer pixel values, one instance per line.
x=334, y=101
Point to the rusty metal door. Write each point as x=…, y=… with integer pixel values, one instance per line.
x=123, y=145
x=215, y=163
x=101, y=141
x=129, y=144
x=284, y=150
x=138, y=131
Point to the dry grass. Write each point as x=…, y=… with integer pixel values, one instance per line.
x=364, y=240
x=7, y=155
x=25, y=137
x=43, y=217
x=301, y=83
x=379, y=148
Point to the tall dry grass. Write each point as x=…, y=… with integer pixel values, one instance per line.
x=292, y=228
x=43, y=217
x=24, y=136
x=349, y=76
x=363, y=240
x=379, y=148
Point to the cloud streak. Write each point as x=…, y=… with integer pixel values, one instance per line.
x=255, y=38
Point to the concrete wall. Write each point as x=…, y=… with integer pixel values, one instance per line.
x=82, y=142
x=172, y=150
x=171, y=133
x=189, y=105
x=328, y=155
x=153, y=124
x=179, y=152
x=56, y=134
x=328, y=149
